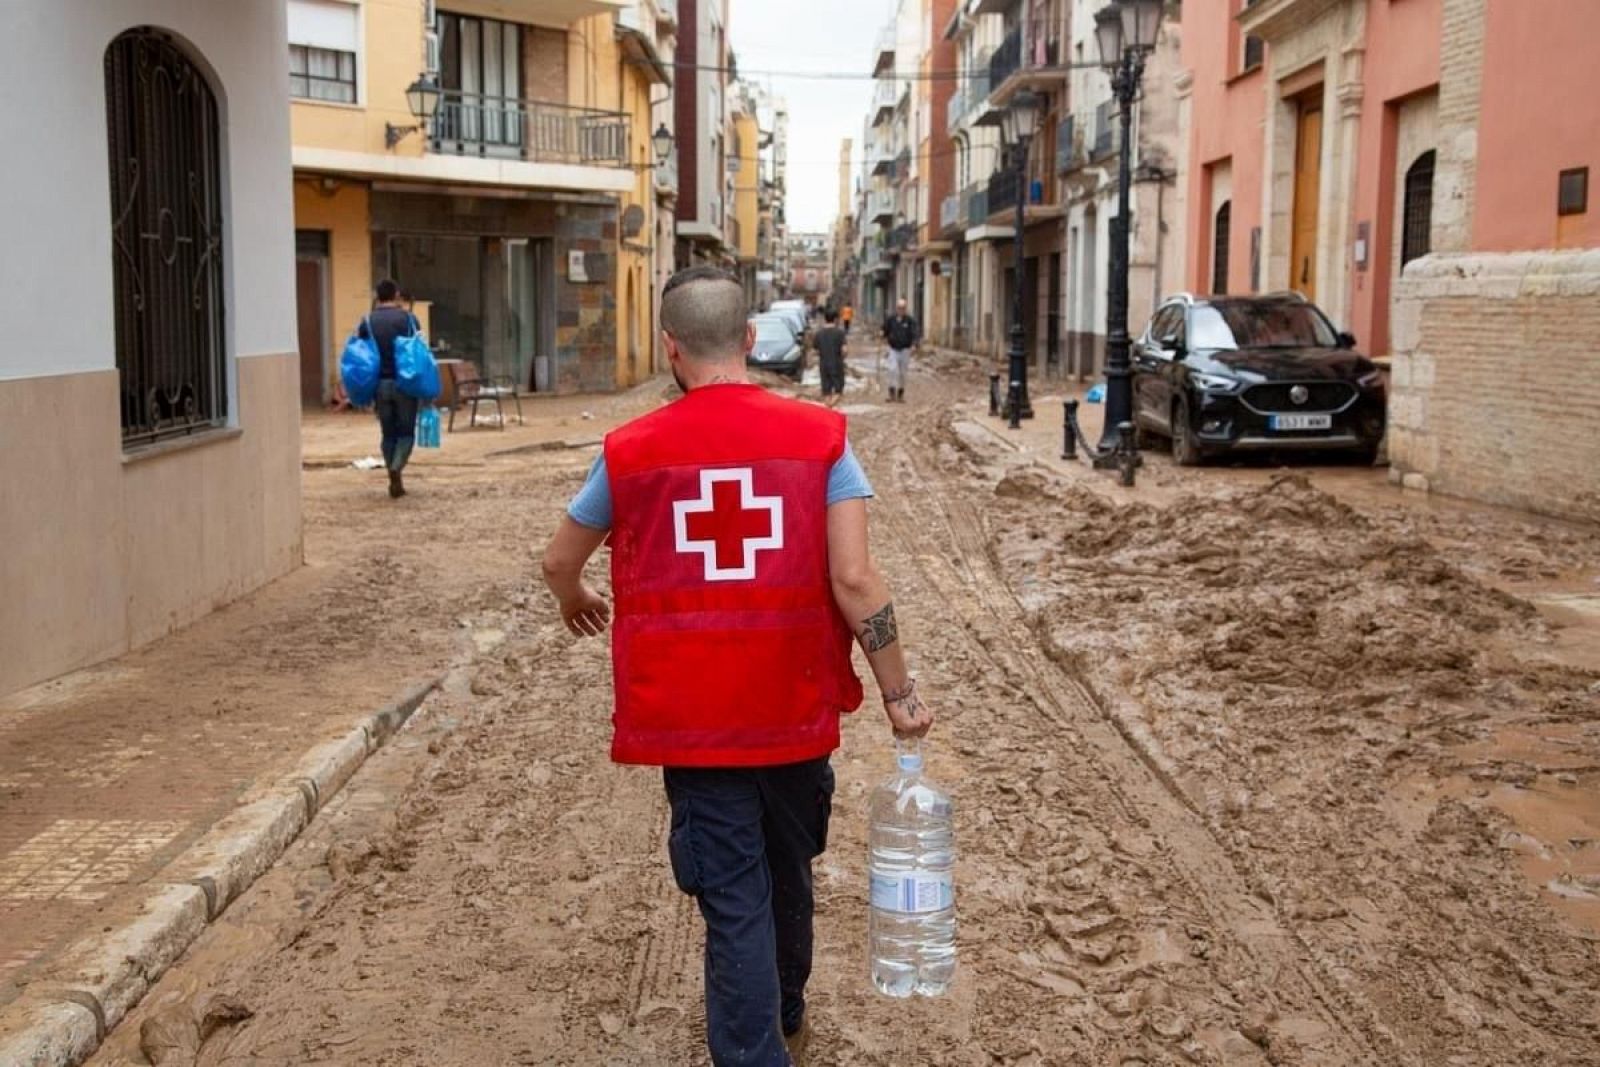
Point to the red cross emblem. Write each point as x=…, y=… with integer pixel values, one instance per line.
x=728, y=524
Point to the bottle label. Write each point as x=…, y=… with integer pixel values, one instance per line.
x=913, y=893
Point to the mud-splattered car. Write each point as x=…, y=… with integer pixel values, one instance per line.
x=1233, y=373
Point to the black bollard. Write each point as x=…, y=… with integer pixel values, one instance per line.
x=1127, y=456
x=994, y=393
x=1069, y=440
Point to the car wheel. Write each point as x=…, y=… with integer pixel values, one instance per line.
x=1367, y=456
x=1185, y=449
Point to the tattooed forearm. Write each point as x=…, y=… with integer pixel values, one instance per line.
x=879, y=631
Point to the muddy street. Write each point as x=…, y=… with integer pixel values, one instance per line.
x=1246, y=772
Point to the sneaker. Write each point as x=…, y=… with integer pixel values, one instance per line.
x=397, y=487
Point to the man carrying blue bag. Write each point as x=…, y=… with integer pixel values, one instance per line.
x=407, y=375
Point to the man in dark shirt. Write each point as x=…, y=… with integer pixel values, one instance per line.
x=397, y=413
x=900, y=332
x=830, y=345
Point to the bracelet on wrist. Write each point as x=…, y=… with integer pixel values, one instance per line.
x=895, y=696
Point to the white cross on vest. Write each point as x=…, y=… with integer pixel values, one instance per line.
x=728, y=524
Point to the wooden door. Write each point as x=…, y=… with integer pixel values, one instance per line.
x=310, y=315
x=1307, y=191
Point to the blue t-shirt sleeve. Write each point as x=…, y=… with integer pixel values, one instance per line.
x=847, y=481
x=592, y=506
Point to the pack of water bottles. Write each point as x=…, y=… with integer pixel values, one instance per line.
x=911, y=929
x=427, y=433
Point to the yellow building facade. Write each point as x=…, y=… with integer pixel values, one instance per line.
x=517, y=216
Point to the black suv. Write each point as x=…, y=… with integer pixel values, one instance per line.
x=1228, y=373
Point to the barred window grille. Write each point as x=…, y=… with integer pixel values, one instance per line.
x=166, y=239
x=1219, y=248
x=1416, y=231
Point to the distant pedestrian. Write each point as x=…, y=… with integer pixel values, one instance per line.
x=830, y=345
x=900, y=333
x=397, y=413
x=845, y=315
x=740, y=566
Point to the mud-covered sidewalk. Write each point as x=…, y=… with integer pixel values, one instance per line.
x=1246, y=772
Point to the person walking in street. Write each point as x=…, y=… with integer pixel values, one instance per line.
x=397, y=413
x=901, y=334
x=741, y=571
x=845, y=315
x=830, y=345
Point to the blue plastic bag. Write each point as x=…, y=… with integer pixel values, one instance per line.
x=358, y=368
x=1097, y=393
x=427, y=435
x=416, y=373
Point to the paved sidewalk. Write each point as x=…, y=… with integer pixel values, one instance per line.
x=109, y=773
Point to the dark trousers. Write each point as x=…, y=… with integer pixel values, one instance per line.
x=397, y=419
x=742, y=843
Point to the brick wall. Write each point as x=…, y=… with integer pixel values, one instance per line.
x=1496, y=385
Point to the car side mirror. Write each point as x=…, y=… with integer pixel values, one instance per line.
x=1347, y=339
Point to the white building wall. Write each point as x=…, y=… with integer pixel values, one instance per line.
x=56, y=273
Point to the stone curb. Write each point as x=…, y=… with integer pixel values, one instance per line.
x=65, y=1016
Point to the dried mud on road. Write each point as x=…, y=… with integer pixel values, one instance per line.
x=1256, y=777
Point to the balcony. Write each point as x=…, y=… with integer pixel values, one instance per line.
x=1003, y=188
x=1007, y=58
x=880, y=206
x=902, y=165
x=470, y=124
x=979, y=112
x=901, y=238
x=880, y=162
x=883, y=54
x=1032, y=60
x=950, y=216
x=884, y=98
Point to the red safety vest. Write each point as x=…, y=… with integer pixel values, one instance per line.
x=726, y=642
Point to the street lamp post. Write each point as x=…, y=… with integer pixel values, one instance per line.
x=1017, y=126
x=1125, y=31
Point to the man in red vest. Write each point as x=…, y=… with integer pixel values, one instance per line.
x=741, y=574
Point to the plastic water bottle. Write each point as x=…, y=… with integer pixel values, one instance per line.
x=911, y=931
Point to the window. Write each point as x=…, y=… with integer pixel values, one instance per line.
x=1572, y=196
x=1253, y=52
x=1416, y=224
x=1219, y=247
x=166, y=239
x=324, y=40
x=480, y=73
x=322, y=74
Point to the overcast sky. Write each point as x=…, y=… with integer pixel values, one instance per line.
x=819, y=35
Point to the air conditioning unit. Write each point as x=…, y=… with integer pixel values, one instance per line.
x=430, y=53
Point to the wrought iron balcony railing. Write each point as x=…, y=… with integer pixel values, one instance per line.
x=472, y=124
x=1007, y=58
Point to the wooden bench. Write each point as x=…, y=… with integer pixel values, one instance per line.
x=473, y=388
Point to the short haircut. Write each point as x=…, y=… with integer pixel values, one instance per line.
x=831, y=315
x=387, y=290
x=703, y=309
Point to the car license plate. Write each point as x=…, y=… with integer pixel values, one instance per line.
x=1302, y=422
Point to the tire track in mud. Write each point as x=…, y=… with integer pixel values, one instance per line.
x=1119, y=780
